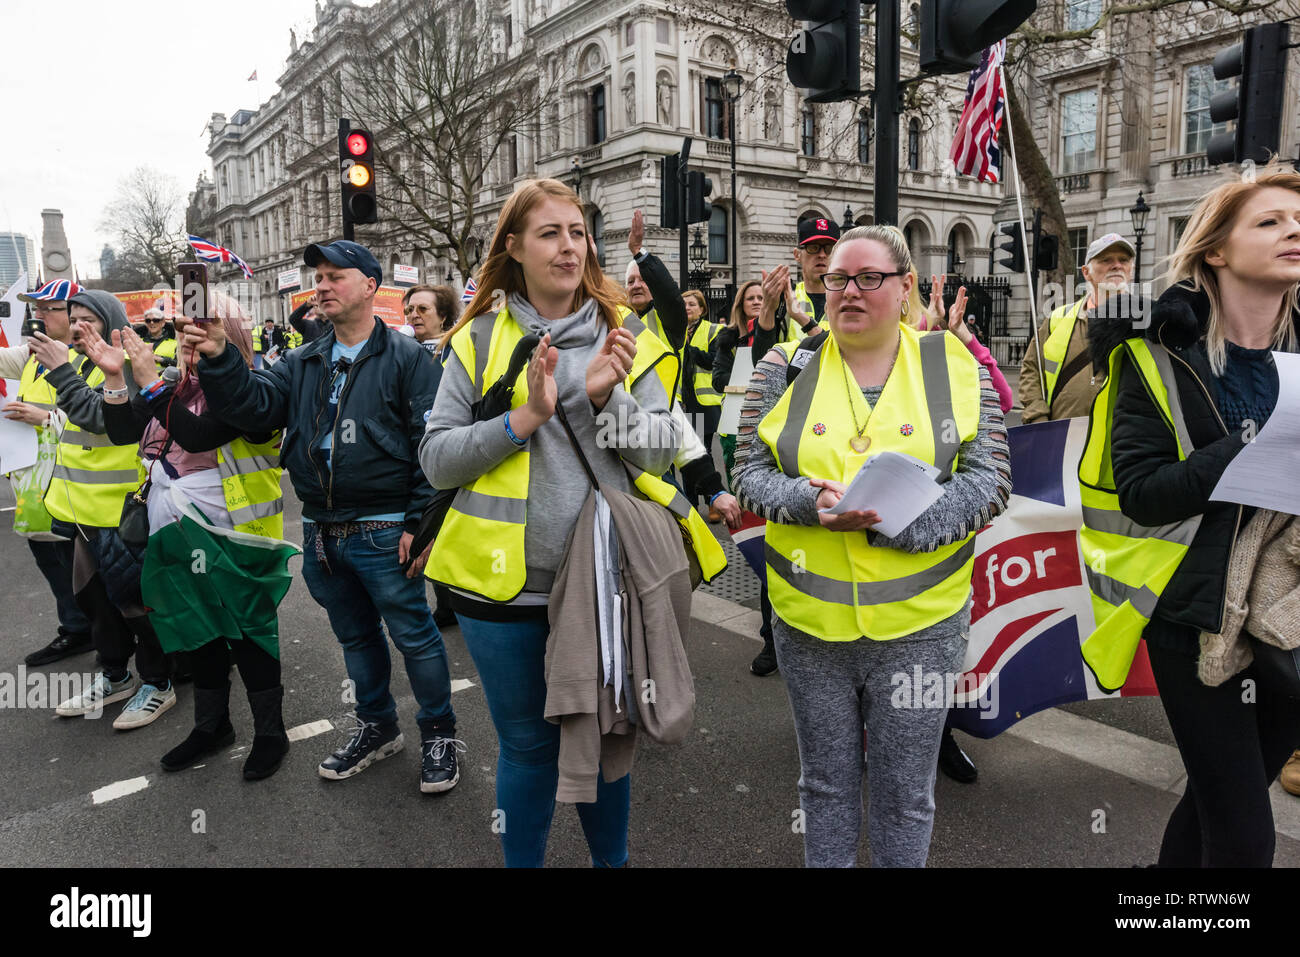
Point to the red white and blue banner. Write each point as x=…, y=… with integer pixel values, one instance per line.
x=1032, y=609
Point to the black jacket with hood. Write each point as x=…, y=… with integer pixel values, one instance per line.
x=83, y=405
x=386, y=399
x=1154, y=487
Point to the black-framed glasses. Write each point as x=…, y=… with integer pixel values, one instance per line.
x=866, y=281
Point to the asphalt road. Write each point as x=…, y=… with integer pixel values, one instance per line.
x=724, y=798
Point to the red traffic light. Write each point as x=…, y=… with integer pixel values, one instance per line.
x=358, y=144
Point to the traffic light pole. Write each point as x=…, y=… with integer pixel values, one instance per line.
x=345, y=126
x=681, y=226
x=1031, y=254
x=887, y=112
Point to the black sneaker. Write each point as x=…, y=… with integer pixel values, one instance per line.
x=438, y=770
x=370, y=742
x=954, y=762
x=765, y=663
x=64, y=646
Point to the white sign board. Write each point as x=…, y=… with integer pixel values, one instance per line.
x=288, y=280
x=17, y=439
x=734, y=398
x=405, y=275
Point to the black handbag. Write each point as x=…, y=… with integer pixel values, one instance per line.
x=133, y=526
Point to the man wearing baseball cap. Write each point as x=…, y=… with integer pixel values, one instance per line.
x=353, y=405
x=1066, y=385
x=36, y=406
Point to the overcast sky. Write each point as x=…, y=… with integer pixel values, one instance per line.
x=94, y=89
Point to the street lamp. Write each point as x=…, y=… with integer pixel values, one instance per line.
x=1138, y=214
x=848, y=219
x=731, y=85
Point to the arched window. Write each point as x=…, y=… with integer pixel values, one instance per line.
x=718, y=247
x=913, y=143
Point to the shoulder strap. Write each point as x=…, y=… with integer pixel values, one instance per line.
x=573, y=440
x=807, y=348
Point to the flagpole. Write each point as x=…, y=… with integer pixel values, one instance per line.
x=1024, y=242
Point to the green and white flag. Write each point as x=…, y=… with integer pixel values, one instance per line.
x=202, y=582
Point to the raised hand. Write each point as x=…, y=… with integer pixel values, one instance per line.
x=542, y=391
x=144, y=365
x=207, y=338
x=776, y=285
x=636, y=235
x=111, y=359
x=957, y=318
x=934, y=311
x=610, y=366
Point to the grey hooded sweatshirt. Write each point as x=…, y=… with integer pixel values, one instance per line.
x=83, y=405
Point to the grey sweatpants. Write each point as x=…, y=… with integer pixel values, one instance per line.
x=835, y=688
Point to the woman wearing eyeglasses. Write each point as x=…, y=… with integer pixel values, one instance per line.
x=859, y=615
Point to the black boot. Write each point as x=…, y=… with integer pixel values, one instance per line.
x=270, y=743
x=954, y=762
x=212, y=729
x=764, y=663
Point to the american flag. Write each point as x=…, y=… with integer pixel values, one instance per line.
x=975, y=149
x=471, y=288
x=212, y=253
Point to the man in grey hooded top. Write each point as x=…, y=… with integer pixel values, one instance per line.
x=105, y=572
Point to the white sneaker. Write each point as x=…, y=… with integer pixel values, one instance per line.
x=92, y=700
x=148, y=704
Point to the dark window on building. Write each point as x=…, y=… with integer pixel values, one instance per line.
x=598, y=236
x=864, y=137
x=513, y=158
x=718, y=235
x=715, y=112
x=914, y=144
x=1077, y=237
x=1177, y=226
x=809, y=137
x=510, y=31
x=598, y=113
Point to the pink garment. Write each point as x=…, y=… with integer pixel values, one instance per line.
x=985, y=358
x=155, y=436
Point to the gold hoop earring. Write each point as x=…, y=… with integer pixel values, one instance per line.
x=904, y=307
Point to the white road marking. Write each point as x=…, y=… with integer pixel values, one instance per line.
x=460, y=684
x=111, y=792
x=309, y=730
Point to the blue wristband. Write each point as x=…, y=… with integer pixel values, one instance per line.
x=155, y=388
x=717, y=495
x=511, y=432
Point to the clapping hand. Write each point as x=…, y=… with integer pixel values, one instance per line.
x=110, y=358
x=776, y=286
x=144, y=365
x=957, y=318
x=610, y=366
x=934, y=311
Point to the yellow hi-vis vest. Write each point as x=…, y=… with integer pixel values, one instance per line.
x=702, y=339
x=92, y=476
x=33, y=387
x=833, y=584
x=250, y=480
x=480, y=547
x=1058, y=343
x=165, y=351
x=1128, y=565
x=655, y=325
x=257, y=338
x=294, y=339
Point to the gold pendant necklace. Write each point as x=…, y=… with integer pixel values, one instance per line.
x=860, y=443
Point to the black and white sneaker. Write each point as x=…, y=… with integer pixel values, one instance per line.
x=438, y=769
x=370, y=742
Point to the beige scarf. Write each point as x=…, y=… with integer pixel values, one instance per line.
x=1263, y=596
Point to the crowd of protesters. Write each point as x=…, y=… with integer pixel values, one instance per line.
x=543, y=455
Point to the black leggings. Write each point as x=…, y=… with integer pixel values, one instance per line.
x=1233, y=750
x=211, y=665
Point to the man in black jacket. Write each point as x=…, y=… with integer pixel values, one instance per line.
x=353, y=406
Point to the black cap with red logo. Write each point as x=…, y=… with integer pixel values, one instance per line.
x=815, y=230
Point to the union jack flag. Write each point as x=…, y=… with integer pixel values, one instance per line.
x=212, y=253
x=471, y=288
x=975, y=149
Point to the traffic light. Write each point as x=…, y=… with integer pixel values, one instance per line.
x=823, y=59
x=1015, y=260
x=1048, y=253
x=955, y=32
x=698, y=188
x=357, y=164
x=670, y=192
x=1256, y=103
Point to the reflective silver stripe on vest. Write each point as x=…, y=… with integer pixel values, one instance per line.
x=43, y=406
x=679, y=505
x=231, y=465
x=480, y=334
x=869, y=593
x=801, y=398
x=496, y=508
x=1051, y=366
x=652, y=323
x=938, y=396
x=89, y=440
x=1161, y=357
x=92, y=477
x=1115, y=592
x=633, y=324
x=242, y=516
x=1117, y=523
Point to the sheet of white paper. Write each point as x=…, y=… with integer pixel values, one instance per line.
x=729, y=423
x=17, y=444
x=11, y=332
x=896, y=486
x=1264, y=473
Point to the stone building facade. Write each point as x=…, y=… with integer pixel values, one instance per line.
x=637, y=76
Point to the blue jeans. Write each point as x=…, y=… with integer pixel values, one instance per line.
x=363, y=583
x=509, y=656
